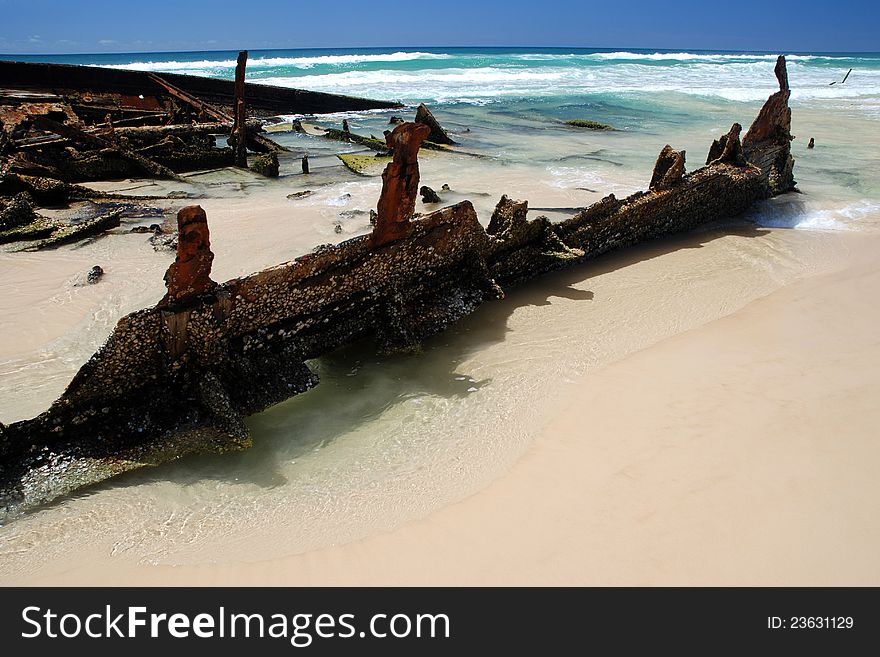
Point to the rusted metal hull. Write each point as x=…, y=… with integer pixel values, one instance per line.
x=130, y=85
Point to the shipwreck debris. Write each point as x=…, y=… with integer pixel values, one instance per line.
x=265, y=100
x=429, y=195
x=521, y=249
x=354, y=138
x=728, y=148
x=239, y=127
x=141, y=162
x=438, y=134
x=180, y=377
x=74, y=124
x=67, y=233
x=767, y=144
x=19, y=211
x=266, y=165
x=844, y=78
x=669, y=169
x=365, y=165
x=400, y=182
x=190, y=274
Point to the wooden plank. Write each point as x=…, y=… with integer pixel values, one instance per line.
x=76, y=134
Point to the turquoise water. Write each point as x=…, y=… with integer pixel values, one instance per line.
x=508, y=102
x=481, y=75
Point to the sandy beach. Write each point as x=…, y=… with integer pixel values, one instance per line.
x=737, y=453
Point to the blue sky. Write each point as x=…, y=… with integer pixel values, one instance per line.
x=88, y=26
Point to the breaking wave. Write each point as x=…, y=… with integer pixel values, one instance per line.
x=274, y=62
x=487, y=83
x=709, y=57
x=483, y=76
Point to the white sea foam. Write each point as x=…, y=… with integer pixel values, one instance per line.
x=275, y=62
x=853, y=216
x=687, y=56
x=698, y=79
x=485, y=77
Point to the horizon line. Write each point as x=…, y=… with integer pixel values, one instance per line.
x=485, y=47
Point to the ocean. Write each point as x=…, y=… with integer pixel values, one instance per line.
x=383, y=441
x=493, y=75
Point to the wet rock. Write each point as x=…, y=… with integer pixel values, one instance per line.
x=365, y=165
x=395, y=120
x=177, y=194
x=355, y=212
x=589, y=125
x=266, y=165
x=190, y=274
x=353, y=138
x=669, y=168
x=299, y=195
x=94, y=275
x=812, y=143
x=437, y=134
x=155, y=229
x=337, y=229
x=163, y=241
x=445, y=188
x=400, y=182
x=374, y=216
x=429, y=195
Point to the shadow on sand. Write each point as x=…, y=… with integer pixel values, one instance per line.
x=358, y=385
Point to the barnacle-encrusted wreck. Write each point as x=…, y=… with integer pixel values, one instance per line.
x=181, y=376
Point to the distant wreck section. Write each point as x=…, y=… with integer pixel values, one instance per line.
x=180, y=377
x=82, y=123
x=61, y=125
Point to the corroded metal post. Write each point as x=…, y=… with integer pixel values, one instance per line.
x=400, y=183
x=190, y=273
x=239, y=129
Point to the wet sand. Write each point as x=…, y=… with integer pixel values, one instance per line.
x=741, y=452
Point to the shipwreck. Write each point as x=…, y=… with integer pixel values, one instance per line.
x=180, y=377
